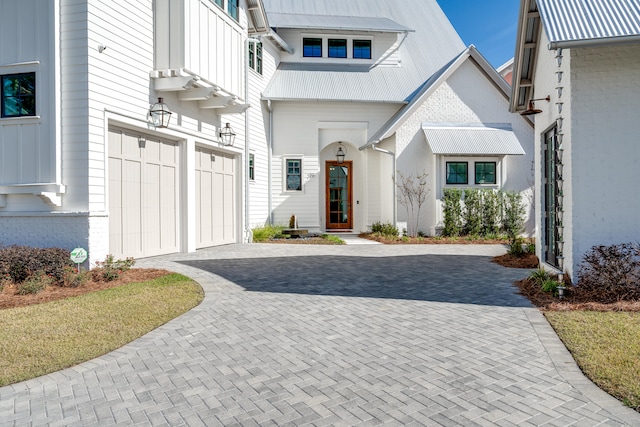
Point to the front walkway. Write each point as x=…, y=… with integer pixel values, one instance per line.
x=332, y=335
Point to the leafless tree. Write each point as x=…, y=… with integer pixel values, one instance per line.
x=412, y=193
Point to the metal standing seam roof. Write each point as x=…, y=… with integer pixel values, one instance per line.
x=583, y=22
x=422, y=52
x=327, y=22
x=472, y=139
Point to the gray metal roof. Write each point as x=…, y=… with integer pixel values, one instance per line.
x=583, y=22
x=350, y=23
x=423, y=52
x=472, y=139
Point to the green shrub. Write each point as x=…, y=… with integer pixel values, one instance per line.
x=74, y=278
x=550, y=286
x=530, y=247
x=513, y=213
x=490, y=212
x=540, y=276
x=262, y=234
x=35, y=283
x=473, y=212
x=516, y=248
x=333, y=239
x=452, y=212
x=19, y=261
x=111, y=269
x=384, y=229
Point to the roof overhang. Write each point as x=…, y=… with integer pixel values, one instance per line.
x=337, y=23
x=472, y=139
x=527, y=40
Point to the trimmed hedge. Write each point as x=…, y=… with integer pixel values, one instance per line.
x=20, y=262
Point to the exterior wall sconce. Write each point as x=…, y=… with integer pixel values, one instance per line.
x=531, y=109
x=227, y=135
x=340, y=154
x=160, y=114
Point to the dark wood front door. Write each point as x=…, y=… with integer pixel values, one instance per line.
x=338, y=195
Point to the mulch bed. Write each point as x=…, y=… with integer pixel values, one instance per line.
x=525, y=261
x=9, y=298
x=432, y=240
x=301, y=241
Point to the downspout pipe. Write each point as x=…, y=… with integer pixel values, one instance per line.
x=375, y=147
x=269, y=158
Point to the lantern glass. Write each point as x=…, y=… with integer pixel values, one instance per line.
x=160, y=114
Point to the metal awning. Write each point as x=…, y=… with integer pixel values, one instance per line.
x=472, y=139
x=341, y=23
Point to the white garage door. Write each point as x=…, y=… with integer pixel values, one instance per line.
x=215, y=198
x=143, y=195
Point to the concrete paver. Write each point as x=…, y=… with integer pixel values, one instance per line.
x=332, y=335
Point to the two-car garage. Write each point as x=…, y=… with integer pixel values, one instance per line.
x=148, y=198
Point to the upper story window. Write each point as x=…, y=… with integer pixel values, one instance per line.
x=337, y=48
x=232, y=7
x=362, y=49
x=255, y=57
x=18, y=95
x=312, y=47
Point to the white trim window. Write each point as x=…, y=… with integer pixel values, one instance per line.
x=293, y=173
x=255, y=57
x=252, y=167
x=231, y=9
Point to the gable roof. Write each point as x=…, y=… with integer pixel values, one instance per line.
x=423, y=51
x=431, y=84
x=575, y=23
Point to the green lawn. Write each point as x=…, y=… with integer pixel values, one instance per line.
x=45, y=338
x=606, y=346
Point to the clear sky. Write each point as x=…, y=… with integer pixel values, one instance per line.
x=490, y=25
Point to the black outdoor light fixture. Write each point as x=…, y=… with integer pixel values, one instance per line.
x=340, y=153
x=227, y=135
x=160, y=114
x=531, y=109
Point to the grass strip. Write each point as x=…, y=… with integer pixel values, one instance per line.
x=45, y=338
x=606, y=347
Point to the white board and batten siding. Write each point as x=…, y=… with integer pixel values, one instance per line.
x=216, y=197
x=143, y=195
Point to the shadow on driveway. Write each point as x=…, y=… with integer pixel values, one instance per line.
x=439, y=278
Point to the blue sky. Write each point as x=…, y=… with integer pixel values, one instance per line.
x=490, y=25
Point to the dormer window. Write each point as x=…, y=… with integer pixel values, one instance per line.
x=337, y=48
x=312, y=47
x=362, y=49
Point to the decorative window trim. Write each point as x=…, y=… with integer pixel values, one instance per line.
x=285, y=173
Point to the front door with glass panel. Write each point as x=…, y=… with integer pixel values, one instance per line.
x=338, y=195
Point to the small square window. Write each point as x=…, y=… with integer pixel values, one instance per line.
x=337, y=48
x=294, y=175
x=18, y=95
x=252, y=176
x=457, y=173
x=312, y=47
x=485, y=172
x=362, y=49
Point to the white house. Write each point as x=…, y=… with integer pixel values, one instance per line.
x=82, y=164
x=577, y=68
x=393, y=89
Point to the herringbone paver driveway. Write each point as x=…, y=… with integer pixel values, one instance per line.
x=326, y=335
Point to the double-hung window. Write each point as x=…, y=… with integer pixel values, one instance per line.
x=294, y=175
x=232, y=8
x=312, y=47
x=362, y=49
x=18, y=96
x=337, y=48
x=485, y=172
x=457, y=173
x=255, y=57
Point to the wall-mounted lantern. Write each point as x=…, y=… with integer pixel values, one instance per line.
x=160, y=114
x=227, y=135
x=340, y=153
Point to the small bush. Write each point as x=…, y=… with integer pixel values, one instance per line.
x=19, y=261
x=513, y=214
x=473, y=211
x=111, y=269
x=540, y=276
x=262, y=234
x=550, y=286
x=73, y=278
x=613, y=272
x=452, y=212
x=35, y=283
x=530, y=247
x=384, y=229
x=516, y=248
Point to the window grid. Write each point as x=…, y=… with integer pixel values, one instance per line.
x=485, y=173
x=294, y=174
x=18, y=95
x=312, y=47
x=232, y=8
x=337, y=48
x=362, y=49
x=457, y=173
x=255, y=57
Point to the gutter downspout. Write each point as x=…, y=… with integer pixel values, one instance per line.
x=374, y=147
x=269, y=157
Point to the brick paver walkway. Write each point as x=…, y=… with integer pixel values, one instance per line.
x=327, y=335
